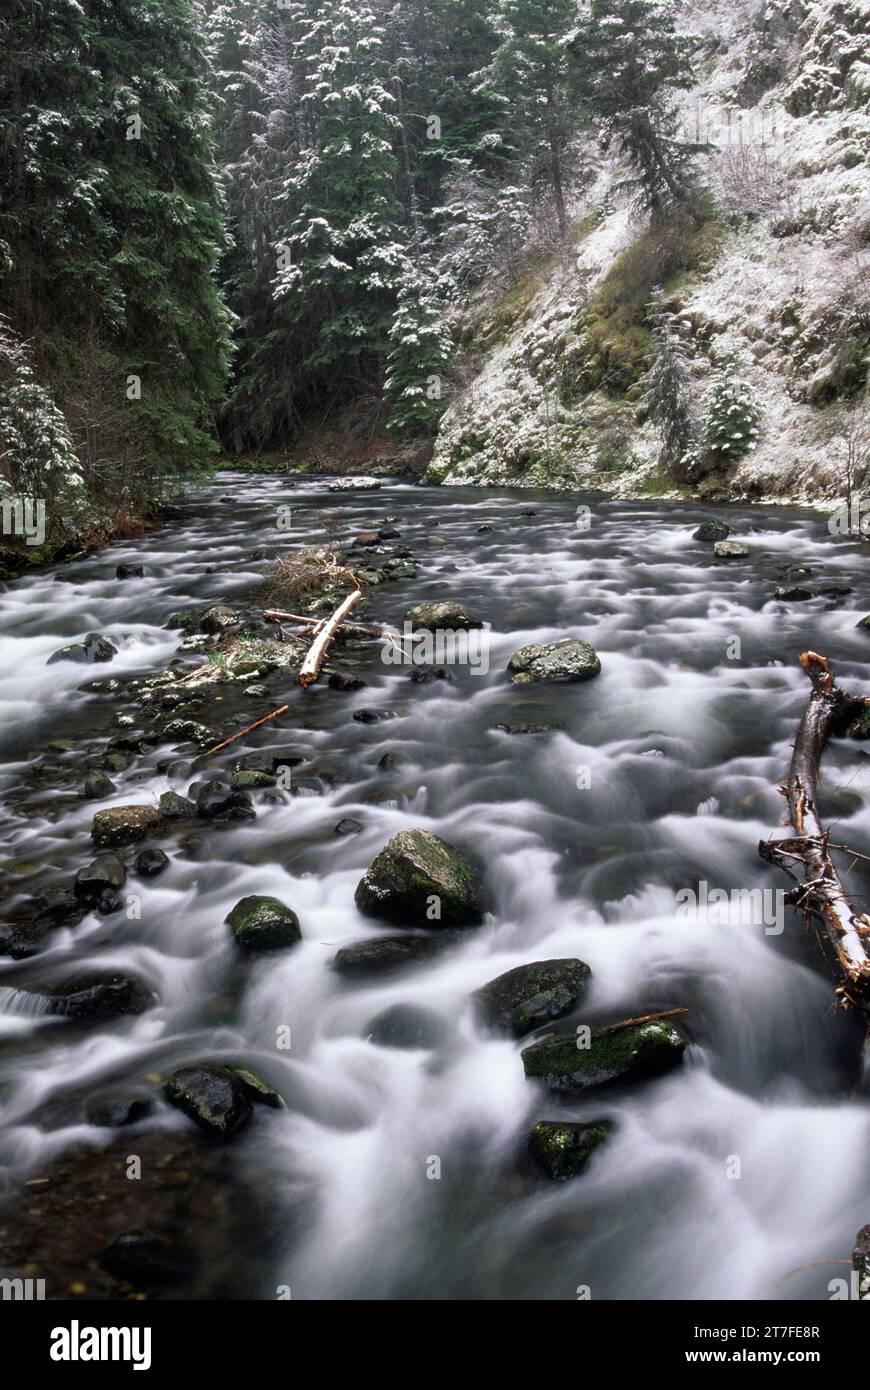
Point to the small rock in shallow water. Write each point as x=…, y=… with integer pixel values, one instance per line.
x=92, y=882
x=529, y=728
x=151, y=862
x=373, y=716
x=94, y=649
x=730, y=550
x=247, y=779
x=115, y=1110
x=123, y=825
x=256, y=692
x=340, y=680
x=98, y=996
x=129, y=571
x=264, y=924
x=213, y=1097
x=406, y=1026
x=215, y=800
x=347, y=826
x=444, y=615
x=172, y=806
x=416, y=872
x=383, y=954
x=562, y=1148
x=256, y=1089
x=792, y=593
x=712, y=531
x=97, y=786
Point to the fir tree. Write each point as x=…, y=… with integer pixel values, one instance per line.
x=667, y=397
x=419, y=354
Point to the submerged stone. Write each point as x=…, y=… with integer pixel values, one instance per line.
x=420, y=880
x=647, y=1049
x=530, y=995
x=406, y=1026
x=384, y=954
x=103, y=995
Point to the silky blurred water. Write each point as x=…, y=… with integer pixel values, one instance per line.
x=399, y=1173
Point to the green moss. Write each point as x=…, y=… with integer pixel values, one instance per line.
x=643, y=1050
x=563, y=1149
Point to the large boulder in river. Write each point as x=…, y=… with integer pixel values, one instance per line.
x=123, y=825
x=647, y=1049
x=93, y=649
x=444, y=616
x=568, y=660
x=264, y=924
x=213, y=1097
x=384, y=954
x=420, y=880
x=562, y=1148
x=531, y=995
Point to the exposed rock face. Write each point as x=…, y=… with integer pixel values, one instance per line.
x=531, y=995
x=441, y=615
x=264, y=924
x=647, y=1049
x=123, y=825
x=213, y=1097
x=420, y=880
x=562, y=1148
x=568, y=660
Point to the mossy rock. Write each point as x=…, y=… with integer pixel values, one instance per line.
x=247, y=779
x=568, y=660
x=383, y=955
x=213, y=1097
x=420, y=880
x=443, y=616
x=256, y=1088
x=264, y=924
x=531, y=995
x=647, y=1049
x=124, y=825
x=562, y=1148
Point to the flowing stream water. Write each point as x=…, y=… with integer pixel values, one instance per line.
x=721, y=1177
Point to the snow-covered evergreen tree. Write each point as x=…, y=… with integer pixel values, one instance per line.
x=733, y=415
x=667, y=398
x=419, y=354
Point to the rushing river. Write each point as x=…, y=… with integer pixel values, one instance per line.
x=664, y=774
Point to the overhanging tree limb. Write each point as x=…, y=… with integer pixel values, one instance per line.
x=843, y=933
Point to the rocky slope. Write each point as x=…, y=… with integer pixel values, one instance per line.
x=777, y=282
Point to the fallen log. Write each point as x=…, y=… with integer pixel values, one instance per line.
x=843, y=933
x=310, y=668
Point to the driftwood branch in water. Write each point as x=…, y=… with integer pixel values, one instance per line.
x=636, y=1022
x=310, y=669
x=246, y=730
x=278, y=615
x=843, y=933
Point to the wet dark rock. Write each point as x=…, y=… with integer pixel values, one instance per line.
x=342, y=680
x=387, y=761
x=568, y=660
x=863, y=622
x=384, y=954
x=367, y=538
x=348, y=826
x=417, y=875
x=146, y=1259
x=186, y=731
x=116, y=1110
x=529, y=728
x=123, y=825
x=247, y=779
x=406, y=1026
x=272, y=760
x=173, y=806
x=151, y=862
x=399, y=568
x=93, y=649
x=256, y=1088
x=256, y=692
x=21, y=940
x=389, y=533
x=102, y=995
x=441, y=614
x=712, y=531
x=528, y=996
x=97, y=786
x=793, y=593
x=647, y=1049
x=185, y=620
x=218, y=619
x=108, y=686
x=99, y=882
x=128, y=571
x=213, y=1097
x=216, y=800
x=425, y=675
x=562, y=1148
x=129, y=742
x=58, y=907
x=116, y=762
x=373, y=716
x=484, y=527
x=264, y=924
